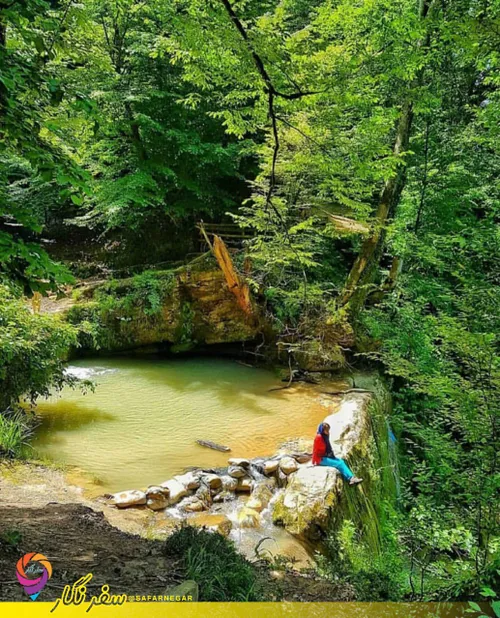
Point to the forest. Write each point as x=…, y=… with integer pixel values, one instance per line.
x=350, y=149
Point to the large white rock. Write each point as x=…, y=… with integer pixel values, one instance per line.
x=229, y=483
x=132, y=497
x=189, y=480
x=176, y=490
x=310, y=494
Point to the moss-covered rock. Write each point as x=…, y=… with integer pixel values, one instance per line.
x=184, y=308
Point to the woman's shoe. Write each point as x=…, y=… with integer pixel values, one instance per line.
x=355, y=481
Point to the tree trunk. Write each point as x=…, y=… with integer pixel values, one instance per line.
x=363, y=269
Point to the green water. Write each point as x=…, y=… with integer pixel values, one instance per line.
x=141, y=424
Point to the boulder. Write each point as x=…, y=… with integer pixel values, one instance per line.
x=224, y=496
x=193, y=505
x=288, y=465
x=157, y=498
x=262, y=492
x=189, y=480
x=132, y=497
x=239, y=461
x=212, y=522
x=245, y=484
x=270, y=466
x=236, y=472
x=203, y=494
x=176, y=491
x=212, y=480
x=301, y=458
x=307, y=500
x=255, y=504
x=229, y=483
x=248, y=518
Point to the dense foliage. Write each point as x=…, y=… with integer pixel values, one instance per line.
x=356, y=141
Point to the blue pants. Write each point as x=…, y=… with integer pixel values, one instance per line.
x=339, y=464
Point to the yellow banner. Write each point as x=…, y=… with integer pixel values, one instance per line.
x=239, y=610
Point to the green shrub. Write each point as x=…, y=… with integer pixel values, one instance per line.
x=213, y=562
x=15, y=431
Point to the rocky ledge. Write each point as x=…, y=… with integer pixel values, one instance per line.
x=307, y=500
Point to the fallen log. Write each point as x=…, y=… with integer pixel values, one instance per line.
x=213, y=445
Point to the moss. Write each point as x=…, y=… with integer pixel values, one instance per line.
x=184, y=307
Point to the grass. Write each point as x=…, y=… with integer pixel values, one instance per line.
x=212, y=561
x=15, y=432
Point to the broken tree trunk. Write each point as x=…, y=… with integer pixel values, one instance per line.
x=238, y=287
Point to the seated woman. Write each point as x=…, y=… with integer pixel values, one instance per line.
x=323, y=455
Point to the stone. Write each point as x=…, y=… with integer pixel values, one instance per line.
x=282, y=478
x=239, y=461
x=132, y=497
x=288, y=465
x=301, y=458
x=224, y=496
x=157, y=498
x=255, y=504
x=189, y=480
x=229, y=483
x=248, y=518
x=203, y=494
x=262, y=492
x=270, y=466
x=307, y=500
x=186, y=591
x=212, y=522
x=212, y=480
x=245, y=484
x=194, y=505
x=176, y=491
x=236, y=472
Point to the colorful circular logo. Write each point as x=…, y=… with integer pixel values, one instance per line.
x=33, y=572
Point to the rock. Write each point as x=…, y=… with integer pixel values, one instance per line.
x=229, y=483
x=203, y=494
x=193, y=505
x=288, y=465
x=157, y=498
x=212, y=480
x=236, y=472
x=239, y=461
x=248, y=518
x=301, y=458
x=186, y=591
x=307, y=500
x=263, y=492
x=282, y=478
x=254, y=504
x=189, y=480
x=212, y=522
x=245, y=484
x=270, y=466
x=224, y=496
x=132, y=497
x=176, y=491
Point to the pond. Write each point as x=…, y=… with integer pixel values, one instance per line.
x=140, y=425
